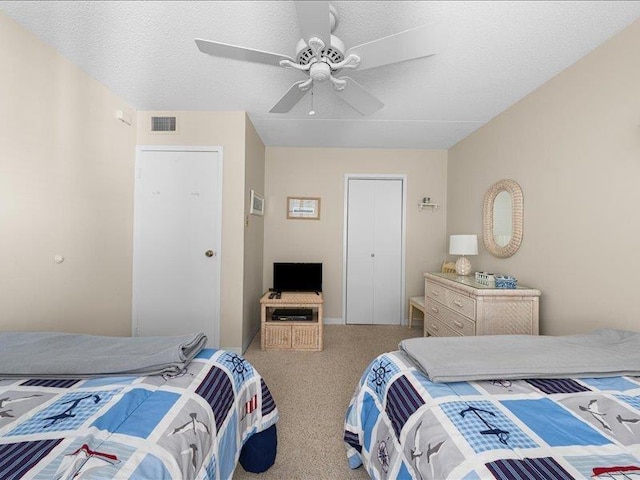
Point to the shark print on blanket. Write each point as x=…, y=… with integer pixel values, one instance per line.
x=189, y=425
x=400, y=424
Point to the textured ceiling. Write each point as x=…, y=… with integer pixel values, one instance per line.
x=493, y=54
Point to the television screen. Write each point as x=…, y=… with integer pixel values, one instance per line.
x=297, y=277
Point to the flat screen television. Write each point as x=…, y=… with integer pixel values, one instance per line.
x=297, y=277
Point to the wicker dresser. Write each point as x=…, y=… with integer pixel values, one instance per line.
x=457, y=305
x=291, y=335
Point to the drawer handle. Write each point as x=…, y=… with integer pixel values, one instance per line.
x=435, y=310
x=457, y=303
x=435, y=293
x=435, y=327
x=458, y=324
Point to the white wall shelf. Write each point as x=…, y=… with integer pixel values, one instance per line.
x=433, y=206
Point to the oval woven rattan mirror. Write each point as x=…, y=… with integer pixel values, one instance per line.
x=495, y=216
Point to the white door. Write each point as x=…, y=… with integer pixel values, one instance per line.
x=176, y=261
x=374, y=260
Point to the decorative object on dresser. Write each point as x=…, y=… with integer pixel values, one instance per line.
x=448, y=267
x=503, y=218
x=456, y=305
x=463, y=245
x=505, y=281
x=291, y=332
x=486, y=278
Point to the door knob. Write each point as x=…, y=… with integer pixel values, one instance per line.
x=209, y=253
x=373, y=254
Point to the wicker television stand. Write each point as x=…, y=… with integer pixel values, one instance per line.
x=291, y=335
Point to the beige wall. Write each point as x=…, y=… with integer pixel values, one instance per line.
x=320, y=172
x=254, y=235
x=226, y=129
x=574, y=147
x=66, y=187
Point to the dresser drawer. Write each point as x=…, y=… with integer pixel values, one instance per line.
x=435, y=328
x=456, y=301
x=453, y=320
x=459, y=303
x=437, y=292
x=465, y=307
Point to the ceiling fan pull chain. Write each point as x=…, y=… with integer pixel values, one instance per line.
x=312, y=111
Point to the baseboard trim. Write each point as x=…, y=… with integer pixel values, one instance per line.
x=340, y=321
x=247, y=342
x=332, y=321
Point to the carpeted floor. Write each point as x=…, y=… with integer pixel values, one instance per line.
x=312, y=391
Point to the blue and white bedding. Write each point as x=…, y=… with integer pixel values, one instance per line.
x=402, y=425
x=192, y=425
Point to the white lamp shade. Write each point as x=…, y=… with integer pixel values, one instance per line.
x=463, y=244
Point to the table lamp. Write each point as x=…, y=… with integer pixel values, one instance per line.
x=463, y=245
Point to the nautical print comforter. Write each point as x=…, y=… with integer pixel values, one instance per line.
x=401, y=425
x=188, y=426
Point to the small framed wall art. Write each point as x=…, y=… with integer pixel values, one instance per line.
x=303, y=208
x=257, y=204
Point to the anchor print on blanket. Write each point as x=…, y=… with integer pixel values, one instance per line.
x=68, y=412
x=485, y=427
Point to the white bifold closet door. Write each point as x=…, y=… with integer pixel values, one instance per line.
x=374, y=251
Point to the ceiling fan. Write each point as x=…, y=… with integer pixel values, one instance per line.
x=321, y=55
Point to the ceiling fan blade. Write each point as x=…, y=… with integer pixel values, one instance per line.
x=218, y=49
x=289, y=99
x=356, y=96
x=313, y=17
x=415, y=43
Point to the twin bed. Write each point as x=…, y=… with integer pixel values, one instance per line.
x=486, y=407
x=537, y=416
x=193, y=414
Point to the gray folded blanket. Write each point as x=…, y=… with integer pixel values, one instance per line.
x=602, y=353
x=65, y=355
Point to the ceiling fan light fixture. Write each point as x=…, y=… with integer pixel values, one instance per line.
x=320, y=71
x=334, y=52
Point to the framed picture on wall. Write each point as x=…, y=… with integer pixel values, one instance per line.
x=303, y=208
x=257, y=204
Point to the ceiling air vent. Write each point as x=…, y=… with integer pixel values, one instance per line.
x=163, y=124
